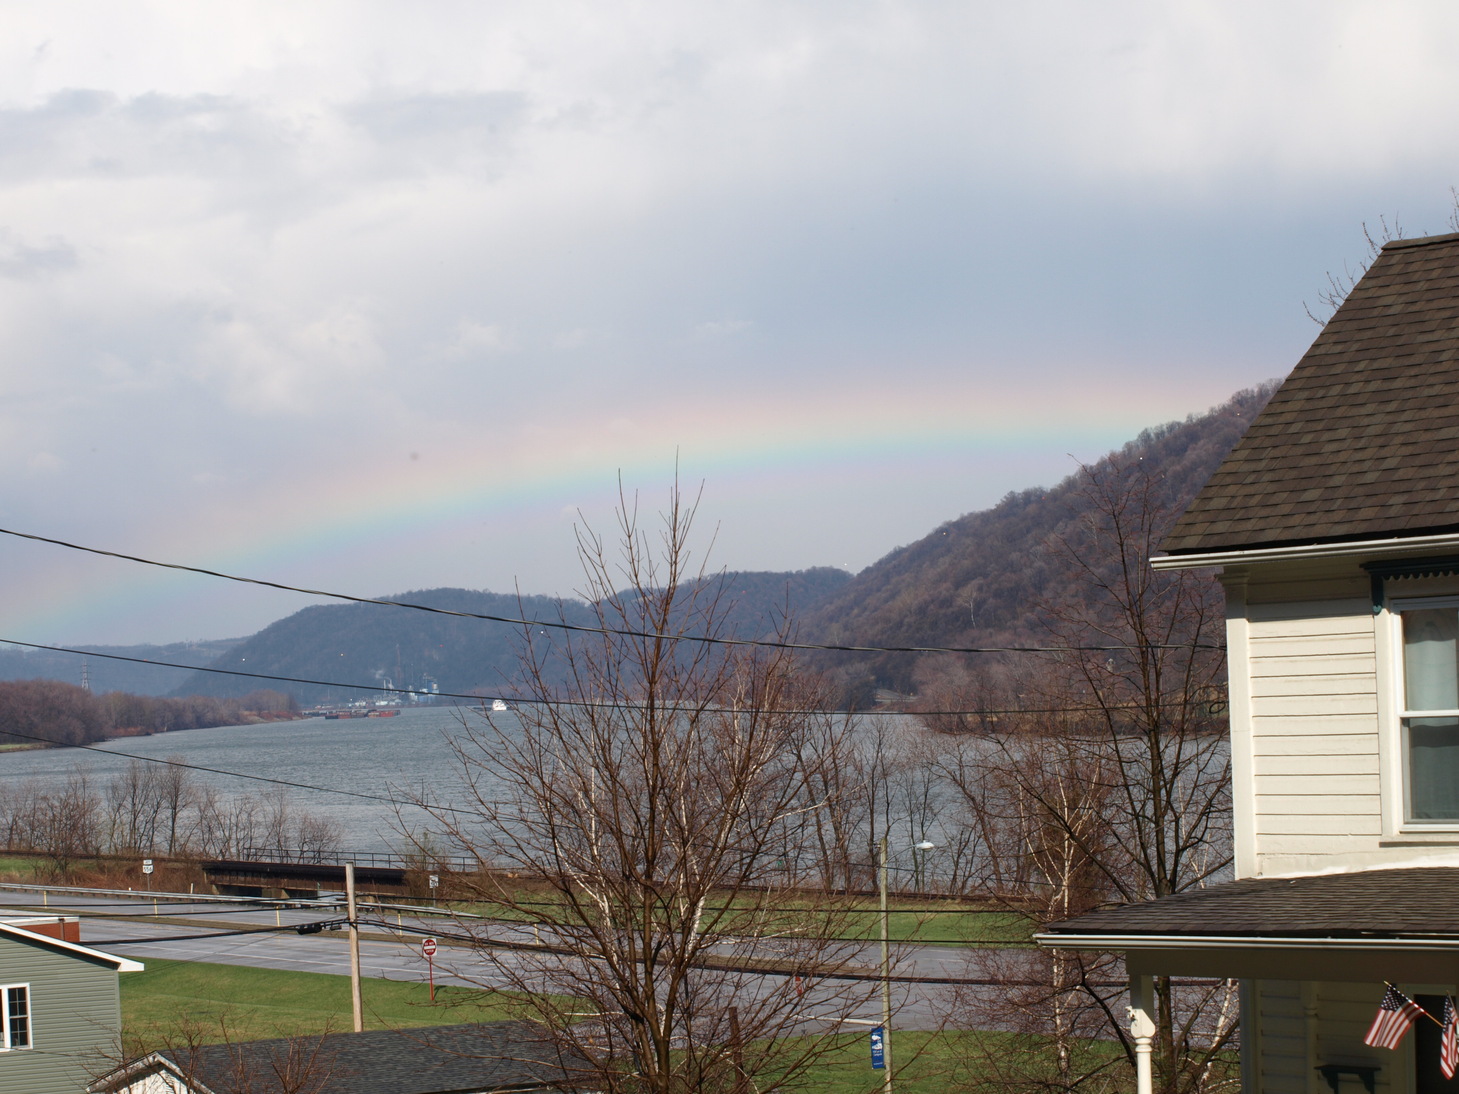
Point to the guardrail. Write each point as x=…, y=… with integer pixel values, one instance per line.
x=461, y=864
x=156, y=896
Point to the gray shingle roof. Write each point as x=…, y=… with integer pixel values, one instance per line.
x=1362, y=440
x=439, y=1060
x=1417, y=902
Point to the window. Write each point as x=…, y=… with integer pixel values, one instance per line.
x=1427, y=1078
x=15, y=1017
x=1430, y=710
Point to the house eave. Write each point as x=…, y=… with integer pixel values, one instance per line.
x=1371, y=548
x=1128, y=942
x=121, y=964
x=1420, y=960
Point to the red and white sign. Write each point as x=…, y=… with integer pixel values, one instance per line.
x=428, y=947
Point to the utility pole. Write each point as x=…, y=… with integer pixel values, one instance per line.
x=355, y=1000
x=886, y=962
x=886, y=974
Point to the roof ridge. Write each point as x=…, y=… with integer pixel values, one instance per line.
x=1420, y=241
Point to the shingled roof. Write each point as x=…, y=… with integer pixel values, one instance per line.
x=1362, y=440
x=469, y=1059
x=1415, y=902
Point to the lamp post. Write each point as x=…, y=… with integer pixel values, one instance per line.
x=886, y=963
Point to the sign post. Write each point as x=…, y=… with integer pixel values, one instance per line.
x=147, y=869
x=428, y=947
x=878, y=1052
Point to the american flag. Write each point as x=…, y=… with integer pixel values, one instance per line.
x=1449, y=1042
x=1395, y=1015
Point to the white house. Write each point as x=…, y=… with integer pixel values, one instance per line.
x=1335, y=524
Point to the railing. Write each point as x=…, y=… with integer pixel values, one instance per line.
x=461, y=864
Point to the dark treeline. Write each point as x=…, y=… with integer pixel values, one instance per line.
x=48, y=711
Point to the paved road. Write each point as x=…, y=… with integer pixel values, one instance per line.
x=126, y=925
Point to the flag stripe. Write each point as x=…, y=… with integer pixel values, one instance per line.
x=1395, y=1017
x=1449, y=1042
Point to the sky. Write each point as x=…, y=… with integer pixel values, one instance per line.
x=375, y=297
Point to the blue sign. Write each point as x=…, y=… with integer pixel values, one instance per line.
x=878, y=1053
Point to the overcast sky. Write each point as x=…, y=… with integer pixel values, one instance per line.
x=376, y=297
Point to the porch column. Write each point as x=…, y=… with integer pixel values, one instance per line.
x=1142, y=1032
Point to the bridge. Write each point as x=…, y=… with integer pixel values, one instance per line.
x=301, y=880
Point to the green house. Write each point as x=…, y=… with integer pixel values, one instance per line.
x=60, y=1011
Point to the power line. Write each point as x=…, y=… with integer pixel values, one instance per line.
x=621, y=632
x=535, y=701
x=255, y=778
x=239, y=672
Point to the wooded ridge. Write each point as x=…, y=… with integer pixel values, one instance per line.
x=981, y=579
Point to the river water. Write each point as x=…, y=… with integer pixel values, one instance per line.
x=398, y=758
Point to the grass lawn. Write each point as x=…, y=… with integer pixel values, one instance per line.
x=909, y=919
x=259, y=1003
x=932, y=923
x=20, y=869
x=926, y=1063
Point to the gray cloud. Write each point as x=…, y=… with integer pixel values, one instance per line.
x=248, y=261
x=25, y=261
x=417, y=117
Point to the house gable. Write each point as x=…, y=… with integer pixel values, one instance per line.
x=74, y=1003
x=1362, y=439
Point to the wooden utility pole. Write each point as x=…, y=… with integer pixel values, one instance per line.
x=355, y=1000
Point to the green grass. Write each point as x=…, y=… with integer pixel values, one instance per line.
x=952, y=924
x=259, y=1003
x=21, y=869
x=931, y=1063
x=924, y=1063
x=909, y=919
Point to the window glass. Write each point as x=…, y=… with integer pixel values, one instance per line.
x=1431, y=684
x=17, y=1017
x=1431, y=659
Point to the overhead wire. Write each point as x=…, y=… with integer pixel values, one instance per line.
x=524, y=622
x=622, y=632
x=244, y=775
x=552, y=701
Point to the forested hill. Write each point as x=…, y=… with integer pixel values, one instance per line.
x=381, y=646
x=106, y=671
x=975, y=580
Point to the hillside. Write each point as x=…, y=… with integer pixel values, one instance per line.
x=102, y=674
x=976, y=580
x=383, y=646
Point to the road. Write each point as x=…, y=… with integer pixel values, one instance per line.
x=141, y=925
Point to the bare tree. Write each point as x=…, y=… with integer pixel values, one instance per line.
x=1114, y=786
x=66, y=824
x=203, y=1056
x=638, y=820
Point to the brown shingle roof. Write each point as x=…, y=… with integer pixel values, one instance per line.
x=1415, y=902
x=1362, y=440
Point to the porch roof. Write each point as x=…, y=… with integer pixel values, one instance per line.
x=1393, y=924
x=1410, y=903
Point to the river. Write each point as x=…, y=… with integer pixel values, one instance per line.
x=394, y=758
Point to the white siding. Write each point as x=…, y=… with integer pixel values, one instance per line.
x=1313, y=702
x=1305, y=1025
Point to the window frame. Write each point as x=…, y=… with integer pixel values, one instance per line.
x=1399, y=753
x=7, y=1036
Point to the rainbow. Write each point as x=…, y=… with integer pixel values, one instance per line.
x=384, y=519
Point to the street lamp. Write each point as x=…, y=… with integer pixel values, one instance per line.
x=886, y=964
